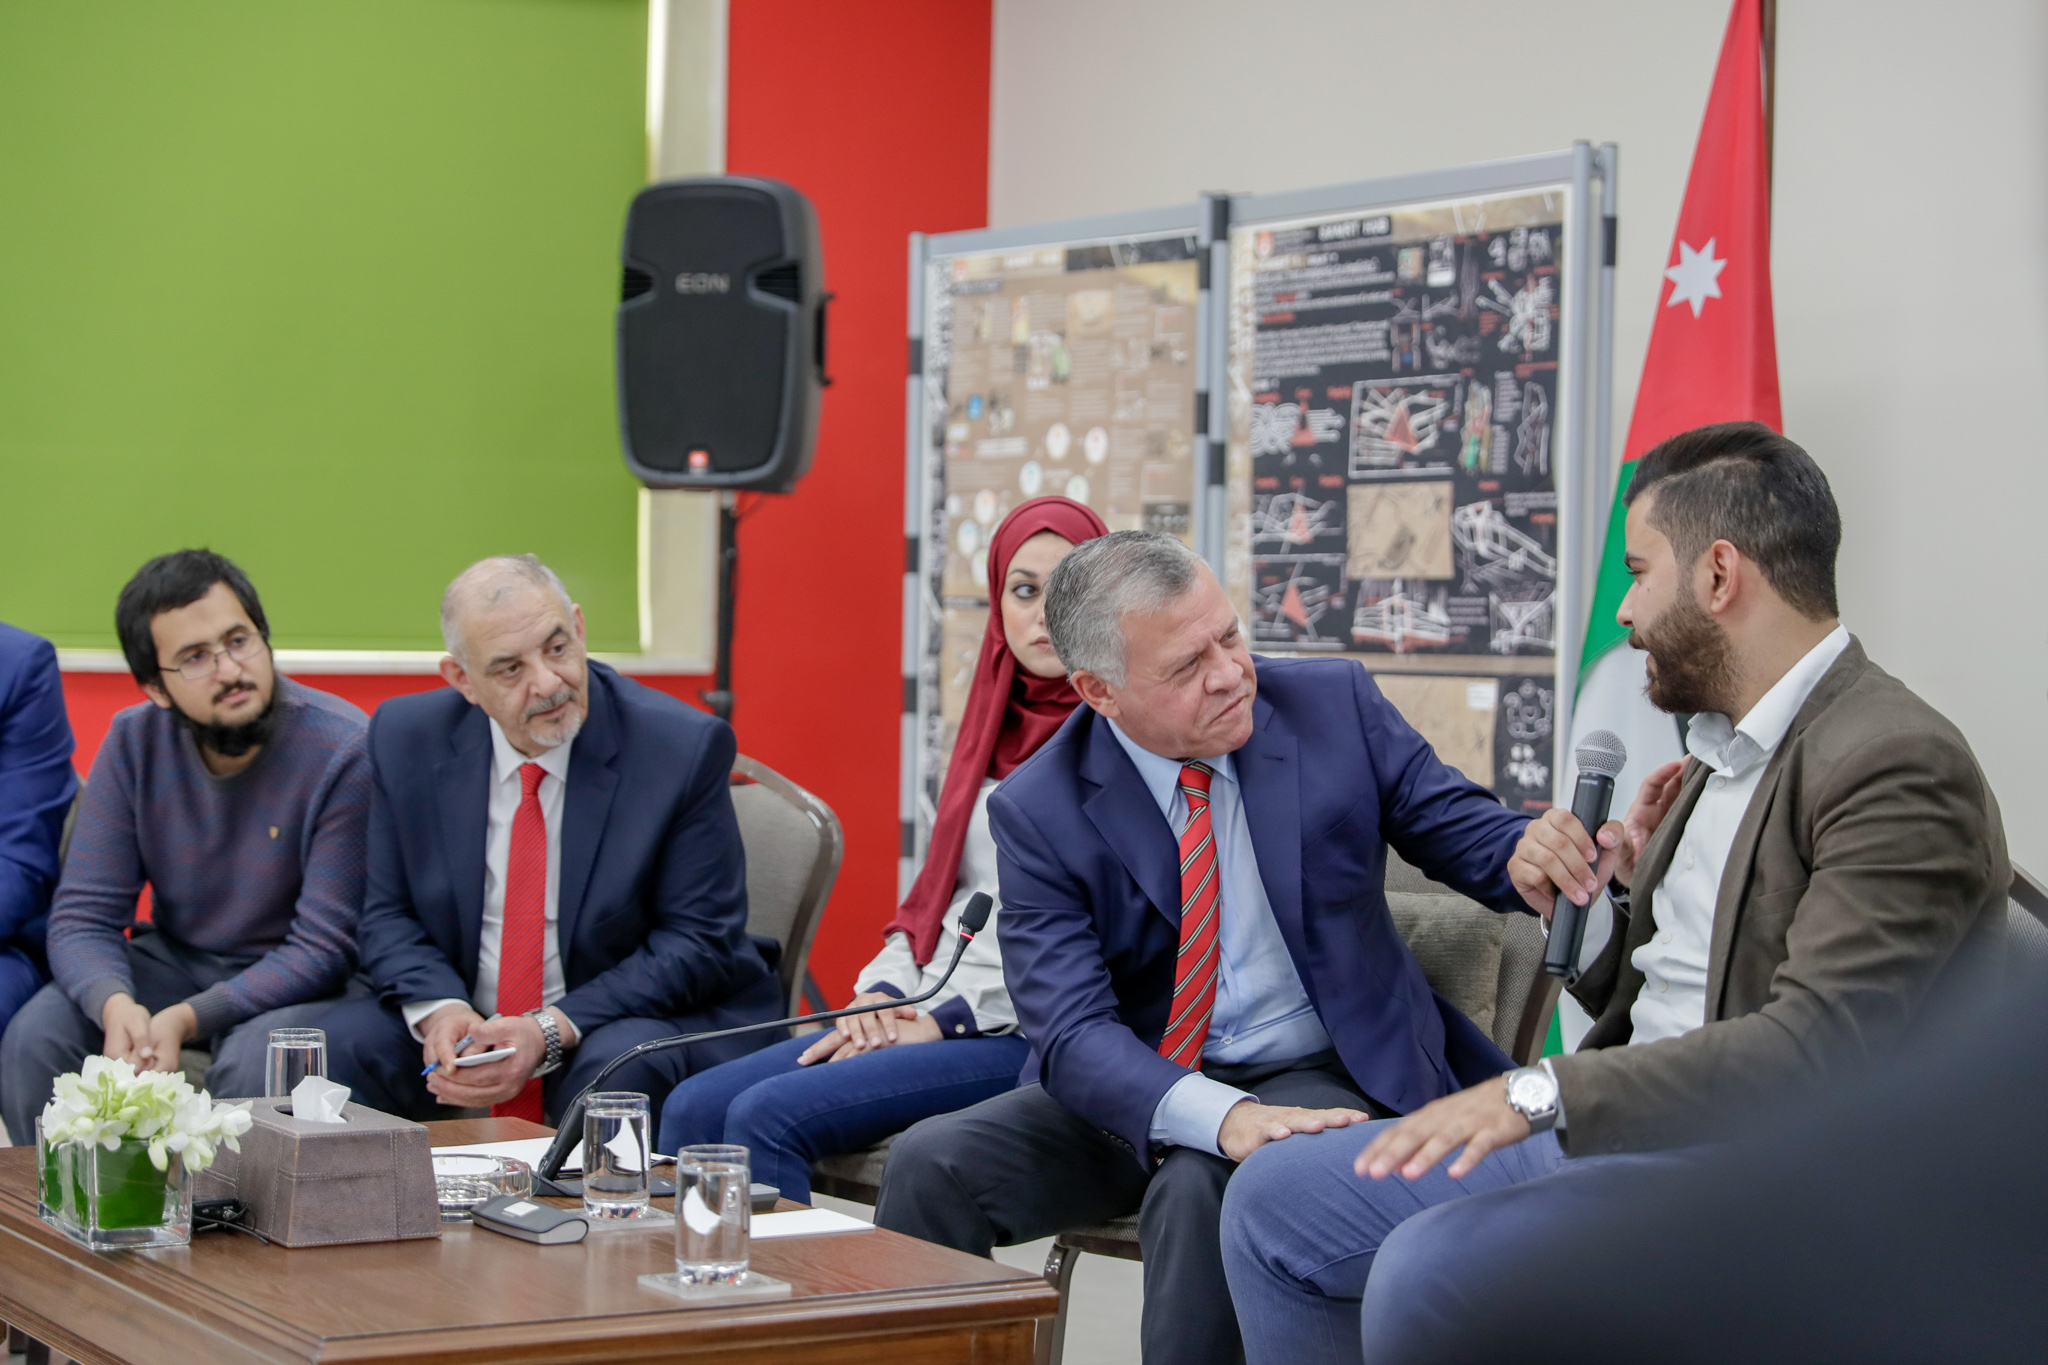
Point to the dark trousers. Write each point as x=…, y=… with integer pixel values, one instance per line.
x=1023, y=1166
x=370, y=1050
x=50, y=1036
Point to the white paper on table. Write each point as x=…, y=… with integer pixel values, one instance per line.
x=699, y=1215
x=625, y=1149
x=805, y=1223
x=528, y=1150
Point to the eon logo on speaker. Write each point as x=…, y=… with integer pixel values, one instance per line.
x=703, y=282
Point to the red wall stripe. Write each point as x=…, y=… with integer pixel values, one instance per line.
x=879, y=112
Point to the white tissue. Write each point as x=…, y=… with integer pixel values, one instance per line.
x=319, y=1100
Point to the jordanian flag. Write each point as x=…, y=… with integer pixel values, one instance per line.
x=1713, y=357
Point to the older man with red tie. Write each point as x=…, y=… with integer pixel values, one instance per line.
x=554, y=868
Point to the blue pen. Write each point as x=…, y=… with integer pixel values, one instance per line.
x=458, y=1047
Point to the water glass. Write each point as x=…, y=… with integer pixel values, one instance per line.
x=713, y=1214
x=615, y=1152
x=295, y=1053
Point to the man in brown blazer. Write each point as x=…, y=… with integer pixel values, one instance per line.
x=1787, y=900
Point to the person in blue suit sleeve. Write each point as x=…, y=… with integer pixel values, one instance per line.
x=1196, y=934
x=36, y=787
x=554, y=867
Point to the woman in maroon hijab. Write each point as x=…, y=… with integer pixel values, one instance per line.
x=838, y=1091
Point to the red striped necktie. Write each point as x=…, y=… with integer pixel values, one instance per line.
x=524, y=926
x=1201, y=904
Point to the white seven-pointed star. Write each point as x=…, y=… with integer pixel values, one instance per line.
x=1696, y=277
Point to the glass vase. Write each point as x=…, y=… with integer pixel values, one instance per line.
x=117, y=1199
x=47, y=1183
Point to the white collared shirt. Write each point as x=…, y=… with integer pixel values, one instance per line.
x=503, y=806
x=1673, y=962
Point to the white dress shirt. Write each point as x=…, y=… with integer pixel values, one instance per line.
x=1674, y=961
x=983, y=1001
x=1262, y=1010
x=503, y=805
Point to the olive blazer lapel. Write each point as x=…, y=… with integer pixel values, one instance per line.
x=1735, y=875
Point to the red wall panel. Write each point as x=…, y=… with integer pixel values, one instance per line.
x=879, y=112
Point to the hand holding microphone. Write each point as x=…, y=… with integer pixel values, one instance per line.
x=1559, y=868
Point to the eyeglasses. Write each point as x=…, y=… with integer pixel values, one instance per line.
x=202, y=664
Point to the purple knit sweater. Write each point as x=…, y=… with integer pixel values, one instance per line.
x=265, y=863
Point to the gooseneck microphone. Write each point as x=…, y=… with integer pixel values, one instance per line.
x=973, y=916
x=1600, y=757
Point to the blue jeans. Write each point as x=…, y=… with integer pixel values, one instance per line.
x=788, y=1116
x=1301, y=1233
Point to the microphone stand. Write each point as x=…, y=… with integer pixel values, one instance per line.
x=972, y=917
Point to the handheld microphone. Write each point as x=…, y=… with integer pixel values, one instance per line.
x=1600, y=757
x=973, y=916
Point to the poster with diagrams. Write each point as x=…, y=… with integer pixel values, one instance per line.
x=1058, y=368
x=1393, y=487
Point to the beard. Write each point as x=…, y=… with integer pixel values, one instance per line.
x=1694, y=663
x=232, y=741
x=565, y=730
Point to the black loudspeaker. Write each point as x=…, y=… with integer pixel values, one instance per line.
x=721, y=335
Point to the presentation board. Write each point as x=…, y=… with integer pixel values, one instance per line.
x=1379, y=410
x=1060, y=359
x=1407, y=460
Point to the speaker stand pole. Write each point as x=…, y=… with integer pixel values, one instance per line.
x=719, y=698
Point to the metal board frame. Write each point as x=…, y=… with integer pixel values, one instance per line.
x=922, y=479
x=1586, y=353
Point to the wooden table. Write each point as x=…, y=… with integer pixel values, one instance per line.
x=476, y=1296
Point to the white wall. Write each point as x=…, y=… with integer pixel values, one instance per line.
x=1912, y=218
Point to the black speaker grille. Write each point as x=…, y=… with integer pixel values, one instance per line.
x=783, y=281
x=633, y=283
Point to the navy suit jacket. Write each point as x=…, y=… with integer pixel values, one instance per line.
x=1331, y=776
x=36, y=786
x=651, y=920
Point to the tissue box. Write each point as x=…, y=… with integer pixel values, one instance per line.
x=370, y=1179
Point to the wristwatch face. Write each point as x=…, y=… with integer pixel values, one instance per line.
x=1532, y=1091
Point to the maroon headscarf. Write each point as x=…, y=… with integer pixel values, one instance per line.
x=1010, y=712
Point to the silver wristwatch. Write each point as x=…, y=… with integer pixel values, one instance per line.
x=1532, y=1093
x=551, y=1034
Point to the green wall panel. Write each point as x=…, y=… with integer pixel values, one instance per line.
x=327, y=287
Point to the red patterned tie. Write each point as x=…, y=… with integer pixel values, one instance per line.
x=525, y=922
x=1201, y=903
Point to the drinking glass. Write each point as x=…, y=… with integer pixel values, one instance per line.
x=713, y=1214
x=615, y=1154
x=295, y=1053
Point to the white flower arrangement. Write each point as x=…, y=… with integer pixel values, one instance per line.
x=108, y=1100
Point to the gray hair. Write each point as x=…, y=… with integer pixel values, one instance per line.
x=488, y=582
x=1101, y=581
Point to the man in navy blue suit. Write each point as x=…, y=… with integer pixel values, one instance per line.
x=36, y=787
x=1196, y=935
x=554, y=867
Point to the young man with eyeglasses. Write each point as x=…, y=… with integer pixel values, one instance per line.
x=241, y=799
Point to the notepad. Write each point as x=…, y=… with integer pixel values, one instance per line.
x=806, y=1223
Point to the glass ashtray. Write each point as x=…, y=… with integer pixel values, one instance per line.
x=464, y=1180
